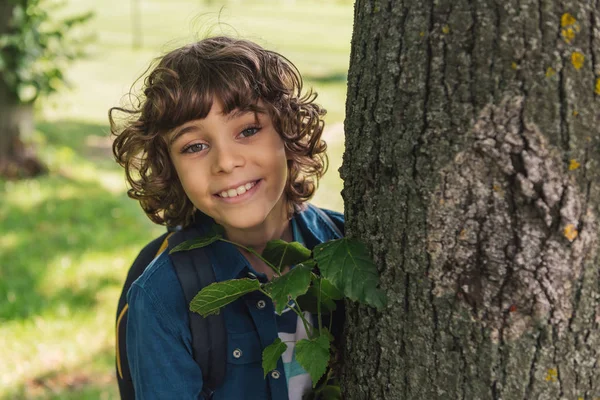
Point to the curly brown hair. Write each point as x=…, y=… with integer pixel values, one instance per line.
x=182, y=87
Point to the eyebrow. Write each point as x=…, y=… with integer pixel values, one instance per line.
x=237, y=113
x=183, y=131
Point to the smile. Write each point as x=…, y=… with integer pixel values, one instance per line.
x=240, y=192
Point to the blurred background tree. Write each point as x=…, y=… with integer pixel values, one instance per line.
x=34, y=51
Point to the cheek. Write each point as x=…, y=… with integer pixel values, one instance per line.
x=281, y=161
x=191, y=180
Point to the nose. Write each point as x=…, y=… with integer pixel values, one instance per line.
x=227, y=158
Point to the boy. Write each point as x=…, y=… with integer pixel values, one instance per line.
x=223, y=133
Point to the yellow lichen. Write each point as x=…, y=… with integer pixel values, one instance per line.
x=570, y=27
x=551, y=375
x=574, y=165
x=568, y=34
x=567, y=19
x=570, y=232
x=514, y=65
x=597, y=89
x=463, y=234
x=550, y=72
x=446, y=29
x=577, y=59
x=421, y=33
x=575, y=113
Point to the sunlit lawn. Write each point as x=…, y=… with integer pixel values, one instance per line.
x=68, y=238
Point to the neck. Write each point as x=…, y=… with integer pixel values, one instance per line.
x=274, y=227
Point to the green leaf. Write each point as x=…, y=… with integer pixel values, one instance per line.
x=331, y=392
x=329, y=335
x=313, y=356
x=289, y=286
x=329, y=294
x=347, y=265
x=215, y=233
x=271, y=355
x=216, y=295
x=280, y=253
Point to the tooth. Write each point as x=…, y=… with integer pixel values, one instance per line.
x=249, y=186
x=241, y=190
x=231, y=193
x=223, y=194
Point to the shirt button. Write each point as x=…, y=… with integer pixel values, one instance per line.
x=237, y=353
x=261, y=304
x=275, y=374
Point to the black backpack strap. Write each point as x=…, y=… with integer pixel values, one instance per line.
x=209, y=335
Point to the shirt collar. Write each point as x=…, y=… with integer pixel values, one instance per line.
x=228, y=261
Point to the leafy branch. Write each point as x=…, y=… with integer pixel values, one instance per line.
x=36, y=47
x=334, y=270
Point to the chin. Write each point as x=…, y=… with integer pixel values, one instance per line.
x=244, y=219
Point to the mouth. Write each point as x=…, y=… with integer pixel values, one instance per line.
x=240, y=192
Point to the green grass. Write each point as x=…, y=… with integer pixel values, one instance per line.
x=68, y=238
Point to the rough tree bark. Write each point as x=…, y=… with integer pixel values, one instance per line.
x=16, y=121
x=472, y=172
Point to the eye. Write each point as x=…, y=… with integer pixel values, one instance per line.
x=194, y=148
x=251, y=131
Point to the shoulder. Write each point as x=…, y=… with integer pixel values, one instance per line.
x=157, y=289
x=332, y=219
x=319, y=225
x=337, y=217
x=159, y=268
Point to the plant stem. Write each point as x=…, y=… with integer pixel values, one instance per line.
x=250, y=250
x=297, y=311
x=319, y=309
x=304, y=321
x=324, y=385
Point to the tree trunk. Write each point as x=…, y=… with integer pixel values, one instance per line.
x=16, y=123
x=472, y=171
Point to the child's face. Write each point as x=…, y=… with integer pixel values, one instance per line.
x=232, y=167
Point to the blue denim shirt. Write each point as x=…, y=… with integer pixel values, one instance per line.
x=159, y=342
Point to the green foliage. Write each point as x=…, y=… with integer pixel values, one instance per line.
x=210, y=299
x=346, y=268
x=328, y=295
x=36, y=48
x=203, y=241
x=313, y=356
x=281, y=253
x=346, y=263
x=289, y=286
x=330, y=392
x=271, y=354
